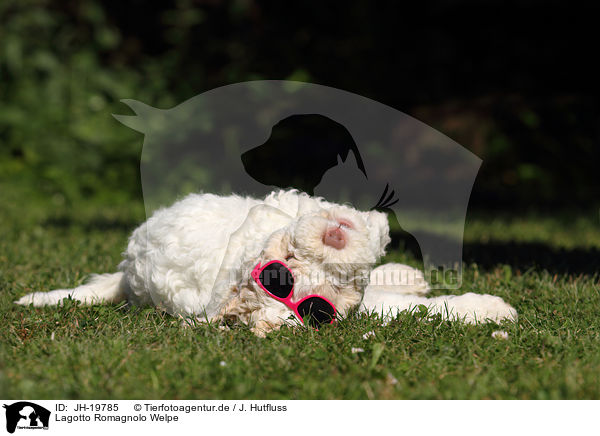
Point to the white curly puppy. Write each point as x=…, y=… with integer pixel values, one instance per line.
x=194, y=258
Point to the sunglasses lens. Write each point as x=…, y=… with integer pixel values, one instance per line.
x=316, y=311
x=277, y=279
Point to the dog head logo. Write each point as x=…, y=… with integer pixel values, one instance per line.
x=253, y=137
x=310, y=145
x=26, y=415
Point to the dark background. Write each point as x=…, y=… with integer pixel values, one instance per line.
x=515, y=82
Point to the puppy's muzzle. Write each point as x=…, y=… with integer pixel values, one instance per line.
x=335, y=237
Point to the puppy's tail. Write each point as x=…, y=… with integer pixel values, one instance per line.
x=101, y=288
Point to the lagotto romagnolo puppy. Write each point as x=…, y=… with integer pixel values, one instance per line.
x=194, y=259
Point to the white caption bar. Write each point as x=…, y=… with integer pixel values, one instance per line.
x=117, y=417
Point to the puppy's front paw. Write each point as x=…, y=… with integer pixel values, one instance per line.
x=261, y=328
x=259, y=332
x=476, y=308
x=499, y=310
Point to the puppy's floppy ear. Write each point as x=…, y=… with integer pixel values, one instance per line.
x=379, y=231
x=258, y=217
x=277, y=246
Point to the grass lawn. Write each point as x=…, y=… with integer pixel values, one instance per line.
x=544, y=265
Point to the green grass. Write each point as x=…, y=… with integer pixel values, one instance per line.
x=542, y=265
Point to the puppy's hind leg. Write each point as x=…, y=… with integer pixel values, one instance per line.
x=101, y=288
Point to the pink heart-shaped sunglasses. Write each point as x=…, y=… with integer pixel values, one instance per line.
x=277, y=280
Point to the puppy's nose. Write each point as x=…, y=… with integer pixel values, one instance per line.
x=335, y=238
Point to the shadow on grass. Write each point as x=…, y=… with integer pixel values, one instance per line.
x=524, y=255
x=519, y=255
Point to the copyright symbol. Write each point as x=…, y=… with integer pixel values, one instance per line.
x=137, y=407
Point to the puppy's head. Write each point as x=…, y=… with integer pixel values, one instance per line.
x=330, y=253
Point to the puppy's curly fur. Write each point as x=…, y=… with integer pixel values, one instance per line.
x=193, y=259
